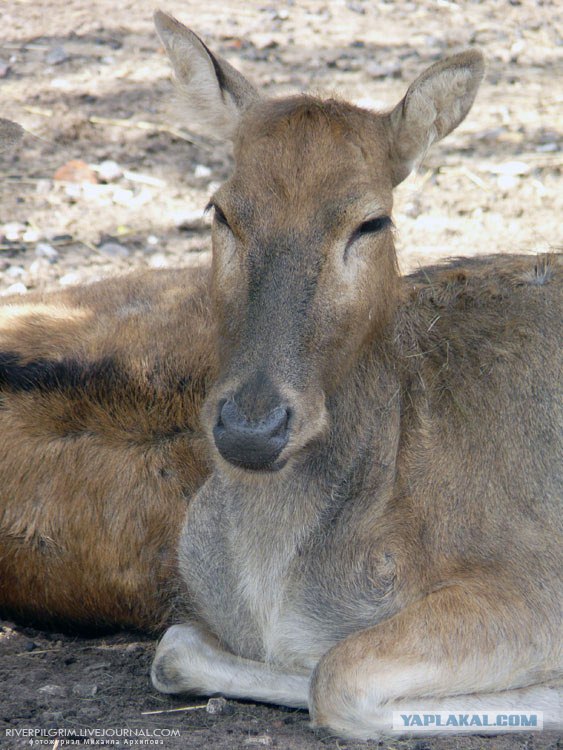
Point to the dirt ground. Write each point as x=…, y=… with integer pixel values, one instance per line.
x=89, y=81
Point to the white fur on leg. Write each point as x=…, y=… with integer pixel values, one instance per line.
x=189, y=660
x=371, y=719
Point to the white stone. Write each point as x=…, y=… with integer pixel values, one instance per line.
x=17, y=288
x=158, y=260
x=44, y=250
x=109, y=170
x=202, y=171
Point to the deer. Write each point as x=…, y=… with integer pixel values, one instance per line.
x=101, y=448
x=381, y=529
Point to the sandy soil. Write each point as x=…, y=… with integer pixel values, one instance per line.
x=89, y=81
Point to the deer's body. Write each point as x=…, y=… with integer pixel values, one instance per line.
x=101, y=449
x=430, y=472
x=382, y=528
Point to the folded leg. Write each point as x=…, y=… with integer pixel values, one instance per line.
x=458, y=649
x=189, y=660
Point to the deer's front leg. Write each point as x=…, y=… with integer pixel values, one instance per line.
x=190, y=660
x=452, y=651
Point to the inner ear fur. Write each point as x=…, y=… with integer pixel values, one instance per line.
x=435, y=103
x=213, y=93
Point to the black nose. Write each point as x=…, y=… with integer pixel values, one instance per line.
x=251, y=445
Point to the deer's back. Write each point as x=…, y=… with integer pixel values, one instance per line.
x=481, y=357
x=100, y=392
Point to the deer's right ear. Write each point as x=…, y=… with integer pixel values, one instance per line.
x=214, y=93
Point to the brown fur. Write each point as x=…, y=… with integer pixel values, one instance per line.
x=381, y=531
x=101, y=450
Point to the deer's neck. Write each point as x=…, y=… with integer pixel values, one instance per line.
x=246, y=538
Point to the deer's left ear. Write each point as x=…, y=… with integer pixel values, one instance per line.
x=433, y=106
x=214, y=93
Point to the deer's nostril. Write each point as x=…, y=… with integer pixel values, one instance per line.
x=276, y=421
x=220, y=422
x=231, y=417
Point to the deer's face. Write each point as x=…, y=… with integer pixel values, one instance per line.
x=303, y=272
x=303, y=259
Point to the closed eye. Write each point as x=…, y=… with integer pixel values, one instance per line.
x=371, y=226
x=219, y=216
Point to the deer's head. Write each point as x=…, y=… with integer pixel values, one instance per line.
x=304, y=266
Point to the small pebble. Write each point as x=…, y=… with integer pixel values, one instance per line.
x=507, y=182
x=158, y=260
x=216, y=705
x=511, y=168
x=547, y=147
x=76, y=170
x=348, y=63
x=393, y=70
x=70, y=278
x=134, y=648
x=62, y=84
x=355, y=7
x=43, y=187
x=123, y=197
x=30, y=235
x=202, y=171
x=109, y=171
x=56, y=56
x=17, y=288
x=412, y=209
x=14, y=272
x=84, y=690
x=517, y=49
x=13, y=231
x=114, y=250
x=44, y=250
x=56, y=690
x=263, y=41
x=73, y=191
